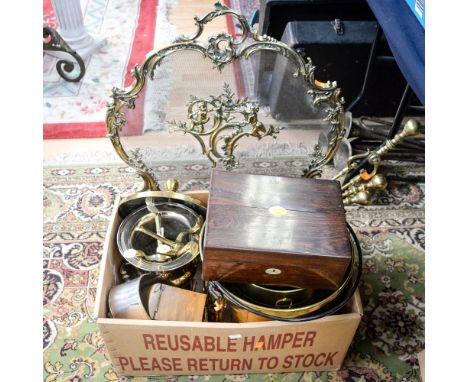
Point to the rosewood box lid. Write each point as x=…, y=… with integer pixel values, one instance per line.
x=294, y=225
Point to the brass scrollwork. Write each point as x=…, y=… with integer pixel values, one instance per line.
x=220, y=10
x=223, y=114
x=222, y=49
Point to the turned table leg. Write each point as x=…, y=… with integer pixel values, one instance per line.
x=71, y=28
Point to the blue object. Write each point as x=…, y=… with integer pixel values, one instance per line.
x=405, y=36
x=255, y=18
x=418, y=9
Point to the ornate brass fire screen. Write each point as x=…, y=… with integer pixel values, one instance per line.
x=218, y=122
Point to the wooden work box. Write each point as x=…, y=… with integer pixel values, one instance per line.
x=153, y=348
x=275, y=230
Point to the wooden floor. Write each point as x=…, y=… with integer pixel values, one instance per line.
x=182, y=17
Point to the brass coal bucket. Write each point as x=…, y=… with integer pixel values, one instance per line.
x=281, y=303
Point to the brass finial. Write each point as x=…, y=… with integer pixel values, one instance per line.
x=411, y=128
x=172, y=185
x=378, y=182
x=362, y=197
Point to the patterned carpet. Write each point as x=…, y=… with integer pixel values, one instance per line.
x=77, y=206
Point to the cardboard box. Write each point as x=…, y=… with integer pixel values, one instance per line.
x=422, y=363
x=144, y=347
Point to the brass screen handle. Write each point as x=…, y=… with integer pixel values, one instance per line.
x=155, y=236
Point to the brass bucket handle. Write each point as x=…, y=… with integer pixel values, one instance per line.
x=284, y=302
